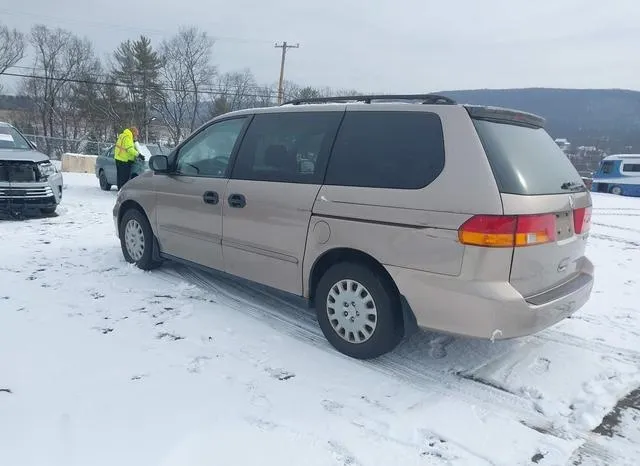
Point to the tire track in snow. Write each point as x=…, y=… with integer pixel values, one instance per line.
x=593, y=453
x=624, y=355
x=618, y=214
x=616, y=227
x=615, y=239
x=611, y=321
x=404, y=364
x=300, y=323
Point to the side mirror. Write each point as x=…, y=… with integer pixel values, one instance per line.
x=159, y=163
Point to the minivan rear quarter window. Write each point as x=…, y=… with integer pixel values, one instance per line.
x=525, y=160
x=398, y=150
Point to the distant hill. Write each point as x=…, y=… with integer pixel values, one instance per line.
x=606, y=118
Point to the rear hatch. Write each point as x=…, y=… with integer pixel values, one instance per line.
x=542, y=192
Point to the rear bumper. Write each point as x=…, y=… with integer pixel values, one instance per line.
x=489, y=309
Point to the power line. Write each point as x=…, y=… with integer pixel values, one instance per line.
x=138, y=30
x=205, y=91
x=98, y=76
x=284, y=46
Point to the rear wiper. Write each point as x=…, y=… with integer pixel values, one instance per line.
x=572, y=186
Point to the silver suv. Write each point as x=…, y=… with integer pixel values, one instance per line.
x=29, y=182
x=383, y=211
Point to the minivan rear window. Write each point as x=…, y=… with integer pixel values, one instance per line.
x=525, y=160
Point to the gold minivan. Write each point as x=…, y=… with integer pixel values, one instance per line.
x=385, y=212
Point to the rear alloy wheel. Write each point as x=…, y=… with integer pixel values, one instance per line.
x=136, y=240
x=617, y=190
x=358, y=311
x=104, y=184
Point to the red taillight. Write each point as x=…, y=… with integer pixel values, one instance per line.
x=536, y=229
x=489, y=230
x=508, y=231
x=582, y=220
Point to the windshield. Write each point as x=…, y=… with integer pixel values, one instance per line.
x=526, y=160
x=10, y=138
x=157, y=149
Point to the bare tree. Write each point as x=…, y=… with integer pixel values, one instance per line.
x=186, y=74
x=111, y=106
x=290, y=90
x=294, y=91
x=12, y=46
x=176, y=100
x=265, y=96
x=61, y=59
x=196, y=48
x=79, y=104
x=238, y=90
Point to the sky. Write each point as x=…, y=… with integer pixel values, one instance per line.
x=393, y=46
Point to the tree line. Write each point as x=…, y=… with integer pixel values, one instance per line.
x=172, y=85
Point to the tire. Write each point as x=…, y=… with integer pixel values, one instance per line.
x=383, y=334
x=104, y=184
x=49, y=210
x=137, y=244
x=617, y=190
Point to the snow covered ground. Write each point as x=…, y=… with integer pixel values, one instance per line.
x=103, y=364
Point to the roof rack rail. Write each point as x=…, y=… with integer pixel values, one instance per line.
x=429, y=99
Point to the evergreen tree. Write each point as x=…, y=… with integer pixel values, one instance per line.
x=137, y=66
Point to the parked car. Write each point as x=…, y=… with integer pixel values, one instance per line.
x=463, y=219
x=618, y=174
x=29, y=182
x=106, y=164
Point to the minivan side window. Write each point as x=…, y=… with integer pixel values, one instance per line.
x=287, y=147
x=208, y=152
x=397, y=150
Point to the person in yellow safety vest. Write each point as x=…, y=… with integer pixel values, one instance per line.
x=125, y=153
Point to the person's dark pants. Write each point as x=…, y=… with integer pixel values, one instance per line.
x=123, y=170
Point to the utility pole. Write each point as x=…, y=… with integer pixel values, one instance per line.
x=146, y=129
x=284, y=46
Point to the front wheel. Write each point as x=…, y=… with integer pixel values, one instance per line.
x=136, y=240
x=104, y=184
x=359, y=311
x=617, y=190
